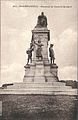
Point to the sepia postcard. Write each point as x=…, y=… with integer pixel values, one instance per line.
x=38, y=54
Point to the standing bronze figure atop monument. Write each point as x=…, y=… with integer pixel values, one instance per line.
x=39, y=49
x=42, y=20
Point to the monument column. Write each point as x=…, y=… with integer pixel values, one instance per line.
x=43, y=35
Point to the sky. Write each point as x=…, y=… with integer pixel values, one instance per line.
x=16, y=25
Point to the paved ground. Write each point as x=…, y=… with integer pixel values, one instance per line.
x=39, y=107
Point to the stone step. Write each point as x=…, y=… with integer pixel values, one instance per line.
x=43, y=88
x=38, y=86
x=34, y=91
x=41, y=84
x=32, y=84
x=39, y=79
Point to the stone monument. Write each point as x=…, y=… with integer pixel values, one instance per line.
x=41, y=75
x=40, y=69
x=41, y=95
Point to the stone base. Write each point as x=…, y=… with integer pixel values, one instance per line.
x=41, y=72
x=39, y=79
x=48, y=88
x=51, y=79
x=28, y=79
x=39, y=92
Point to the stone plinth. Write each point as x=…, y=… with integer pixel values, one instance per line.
x=51, y=73
x=29, y=73
x=41, y=72
x=54, y=68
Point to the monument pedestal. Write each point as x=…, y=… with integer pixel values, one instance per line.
x=40, y=72
x=42, y=34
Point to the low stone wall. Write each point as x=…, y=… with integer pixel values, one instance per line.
x=39, y=107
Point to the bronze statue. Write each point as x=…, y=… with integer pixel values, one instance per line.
x=51, y=54
x=29, y=52
x=39, y=49
x=42, y=20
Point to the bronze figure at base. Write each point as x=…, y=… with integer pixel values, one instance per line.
x=51, y=54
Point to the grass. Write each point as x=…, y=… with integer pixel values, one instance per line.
x=39, y=107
